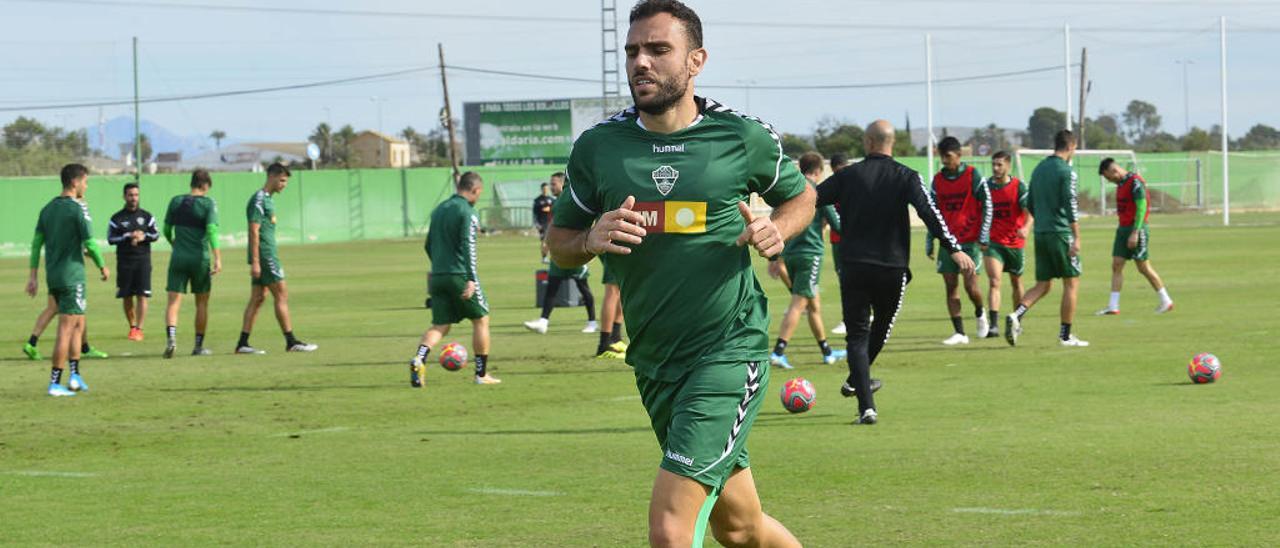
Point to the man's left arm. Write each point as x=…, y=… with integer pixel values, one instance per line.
x=152, y=233
x=773, y=176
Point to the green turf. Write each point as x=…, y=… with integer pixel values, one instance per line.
x=1108, y=445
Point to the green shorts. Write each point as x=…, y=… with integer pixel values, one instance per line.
x=1011, y=257
x=1121, y=246
x=946, y=265
x=194, y=273
x=447, y=304
x=607, y=277
x=71, y=300
x=805, y=272
x=1053, y=256
x=272, y=272
x=580, y=273
x=702, y=420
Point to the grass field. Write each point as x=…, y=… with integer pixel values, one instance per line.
x=1109, y=445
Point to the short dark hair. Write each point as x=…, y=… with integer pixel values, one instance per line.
x=839, y=160
x=1062, y=140
x=557, y=175
x=277, y=168
x=200, y=179
x=128, y=186
x=72, y=173
x=645, y=9
x=469, y=180
x=949, y=144
x=1001, y=155
x=810, y=162
x=545, y=185
x=1105, y=165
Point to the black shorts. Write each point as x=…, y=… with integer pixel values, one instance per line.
x=133, y=278
x=542, y=230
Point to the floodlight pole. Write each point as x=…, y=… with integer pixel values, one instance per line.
x=1226, y=173
x=928, y=92
x=1066, y=68
x=137, y=122
x=448, y=115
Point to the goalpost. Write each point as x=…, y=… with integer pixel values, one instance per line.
x=1089, y=161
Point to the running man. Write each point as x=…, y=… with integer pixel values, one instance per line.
x=132, y=230
x=453, y=283
x=265, y=271
x=800, y=267
x=839, y=161
x=1133, y=238
x=966, y=209
x=1007, y=237
x=65, y=231
x=191, y=228
x=662, y=188
x=556, y=277
x=1053, y=200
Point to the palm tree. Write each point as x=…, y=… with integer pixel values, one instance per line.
x=217, y=136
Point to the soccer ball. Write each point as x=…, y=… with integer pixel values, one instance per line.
x=1204, y=368
x=453, y=356
x=798, y=395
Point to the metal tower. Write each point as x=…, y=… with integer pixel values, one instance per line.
x=610, y=70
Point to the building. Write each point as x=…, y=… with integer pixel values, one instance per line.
x=375, y=149
x=245, y=157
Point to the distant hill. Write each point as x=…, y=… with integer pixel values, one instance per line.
x=120, y=131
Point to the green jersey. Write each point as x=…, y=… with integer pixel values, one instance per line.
x=451, y=238
x=1052, y=196
x=66, y=229
x=191, y=226
x=688, y=291
x=809, y=241
x=262, y=210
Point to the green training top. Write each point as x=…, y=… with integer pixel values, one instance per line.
x=65, y=229
x=451, y=238
x=809, y=241
x=261, y=209
x=688, y=291
x=191, y=227
x=1052, y=196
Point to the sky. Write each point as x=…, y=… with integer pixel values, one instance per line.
x=60, y=51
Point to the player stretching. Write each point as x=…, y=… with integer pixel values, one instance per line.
x=191, y=228
x=1132, y=236
x=800, y=266
x=64, y=230
x=838, y=161
x=132, y=230
x=966, y=209
x=453, y=284
x=556, y=277
x=264, y=265
x=1052, y=199
x=1008, y=235
x=662, y=188
x=611, y=345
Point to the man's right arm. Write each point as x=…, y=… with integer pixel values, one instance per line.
x=115, y=233
x=33, y=281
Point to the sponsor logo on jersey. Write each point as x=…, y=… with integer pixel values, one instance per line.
x=668, y=149
x=673, y=217
x=665, y=178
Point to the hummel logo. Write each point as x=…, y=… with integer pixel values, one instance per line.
x=665, y=149
x=679, y=458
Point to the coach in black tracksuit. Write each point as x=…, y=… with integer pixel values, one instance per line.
x=875, y=244
x=132, y=230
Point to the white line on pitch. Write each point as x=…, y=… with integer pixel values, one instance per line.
x=513, y=492
x=316, y=431
x=625, y=398
x=1014, y=512
x=50, y=474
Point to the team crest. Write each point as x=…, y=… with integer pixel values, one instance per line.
x=665, y=178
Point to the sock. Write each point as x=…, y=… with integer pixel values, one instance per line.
x=958, y=323
x=780, y=347
x=1163, y=292
x=617, y=333
x=74, y=365
x=289, y=339
x=172, y=332
x=1065, y=332
x=84, y=347
x=826, y=348
x=1114, y=303
x=199, y=340
x=606, y=339
x=978, y=312
x=244, y=339
x=55, y=376
x=423, y=350
x=480, y=364
x=994, y=316
x=33, y=340
x=1020, y=311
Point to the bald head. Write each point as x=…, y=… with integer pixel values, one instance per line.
x=878, y=139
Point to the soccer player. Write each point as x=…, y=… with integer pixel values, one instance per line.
x=662, y=187
x=453, y=284
x=542, y=213
x=966, y=209
x=1132, y=236
x=64, y=230
x=191, y=228
x=800, y=267
x=1053, y=200
x=1007, y=236
x=265, y=271
x=556, y=277
x=839, y=161
x=132, y=230
x=875, y=247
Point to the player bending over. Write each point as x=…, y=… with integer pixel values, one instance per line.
x=1133, y=238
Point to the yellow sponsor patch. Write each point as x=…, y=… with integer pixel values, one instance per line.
x=673, y=217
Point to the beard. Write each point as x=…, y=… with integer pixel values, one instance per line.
x=669, y=92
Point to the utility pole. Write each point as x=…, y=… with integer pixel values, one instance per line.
x=1084, y=91
x=928, y=92
x=1186, y=96
x=448, y=115
x=1066, y=68
x=137, y=120
x=610, y=70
